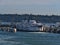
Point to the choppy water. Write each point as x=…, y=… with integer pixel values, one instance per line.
x=29, y=38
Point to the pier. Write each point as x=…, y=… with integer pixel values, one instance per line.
x=7, y=28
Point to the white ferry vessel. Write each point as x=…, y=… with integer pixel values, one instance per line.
x=30, y=25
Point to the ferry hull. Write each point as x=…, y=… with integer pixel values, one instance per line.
x=28, y=30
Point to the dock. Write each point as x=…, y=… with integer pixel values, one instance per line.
x=8, y=28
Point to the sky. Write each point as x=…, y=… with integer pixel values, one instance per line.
x=44, y=7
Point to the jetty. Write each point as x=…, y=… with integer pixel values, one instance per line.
x=7, y=27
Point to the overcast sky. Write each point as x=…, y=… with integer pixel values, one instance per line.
x=30, y=6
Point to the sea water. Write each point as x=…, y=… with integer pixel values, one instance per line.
x=29, y=38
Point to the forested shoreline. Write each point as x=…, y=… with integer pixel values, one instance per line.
x=38, y=18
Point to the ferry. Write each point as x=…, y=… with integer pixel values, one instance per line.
x=29, y=26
